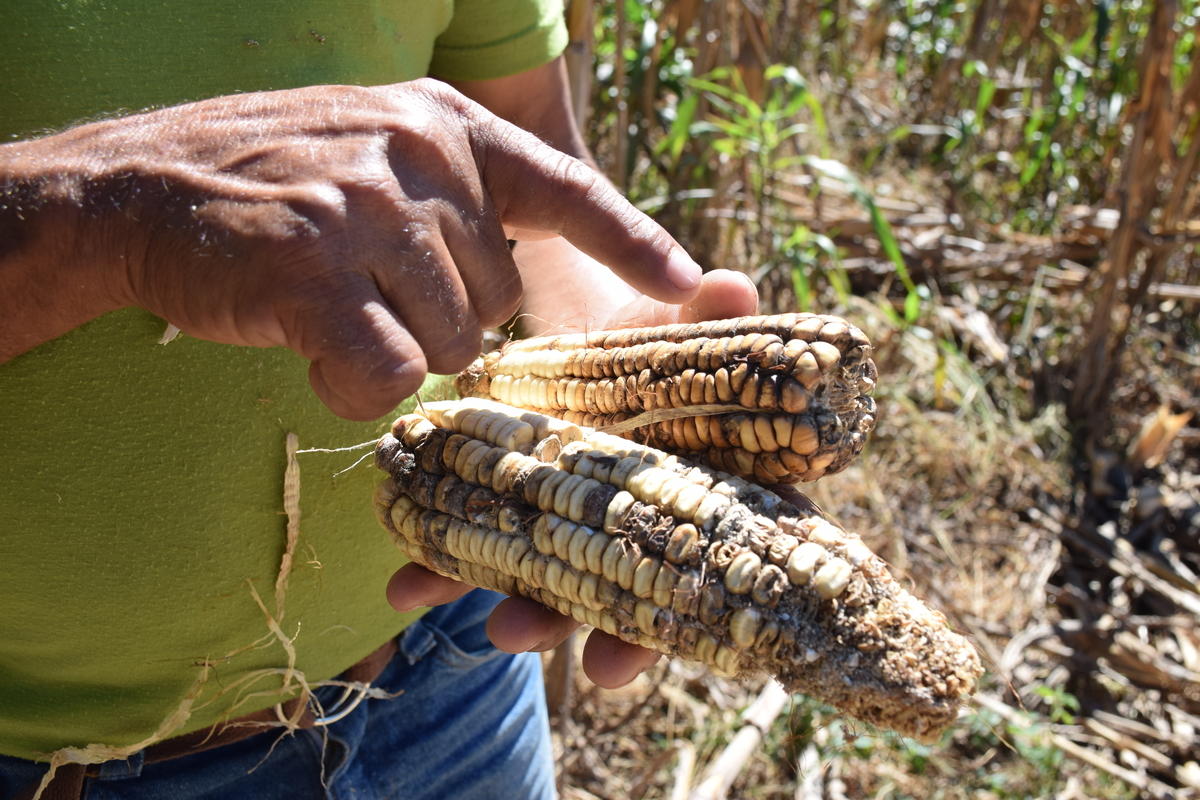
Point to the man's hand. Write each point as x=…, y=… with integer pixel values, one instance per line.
x=363, y=228
x=565, y=290
x=519, y=624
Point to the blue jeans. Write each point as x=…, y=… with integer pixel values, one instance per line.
x=469, y=723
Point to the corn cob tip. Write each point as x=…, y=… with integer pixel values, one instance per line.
x=907, y=671
x=474, y=380
x=669, y=555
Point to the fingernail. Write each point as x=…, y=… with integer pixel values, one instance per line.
x=682, y=270
x=410, y=605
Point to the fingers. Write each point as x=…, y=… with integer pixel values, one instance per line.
x=536, y=188
x=412, y=586
x=426, y=291
x=518, y=625
x=611, y=663
x=442, y=222
x=431, y=295
x=479, y=248
x=363, y=359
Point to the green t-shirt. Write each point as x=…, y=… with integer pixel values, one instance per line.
x=141, y=485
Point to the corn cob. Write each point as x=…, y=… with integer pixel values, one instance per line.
x=797, y=385
x=679, y=558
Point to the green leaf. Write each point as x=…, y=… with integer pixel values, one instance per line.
x=801, y=288
x=983, y=101
x=883, y=230
x=912, y=307
x=681, y=128
x=840, y=281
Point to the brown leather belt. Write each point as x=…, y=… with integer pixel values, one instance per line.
x=67, y=783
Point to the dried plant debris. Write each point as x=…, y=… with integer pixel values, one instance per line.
x=672, y=556
x=774, y=398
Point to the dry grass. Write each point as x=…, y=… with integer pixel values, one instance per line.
x=1034, y=473
x=977, y=507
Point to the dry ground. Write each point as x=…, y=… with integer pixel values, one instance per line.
x=1074, y=570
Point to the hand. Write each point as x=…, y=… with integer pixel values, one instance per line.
x=363, y=228
x=519, y=624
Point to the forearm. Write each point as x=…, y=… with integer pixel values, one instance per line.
x=538, y=101
x=52, y=258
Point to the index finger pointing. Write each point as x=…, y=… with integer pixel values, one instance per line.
x=535, y=187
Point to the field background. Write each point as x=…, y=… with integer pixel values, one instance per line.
x=1004, y=195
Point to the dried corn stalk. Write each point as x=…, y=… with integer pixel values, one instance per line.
x=794, y=389
x=675, y=557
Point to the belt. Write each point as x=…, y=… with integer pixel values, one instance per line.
x=67, y=783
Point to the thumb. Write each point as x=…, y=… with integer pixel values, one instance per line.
x=723, y=293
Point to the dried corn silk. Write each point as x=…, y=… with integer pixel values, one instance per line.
x=774, y=398
x=676, y=557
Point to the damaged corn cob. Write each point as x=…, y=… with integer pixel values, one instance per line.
x=776, y=399
x=678, y=558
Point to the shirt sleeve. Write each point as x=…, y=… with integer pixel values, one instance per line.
x=495, y=38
